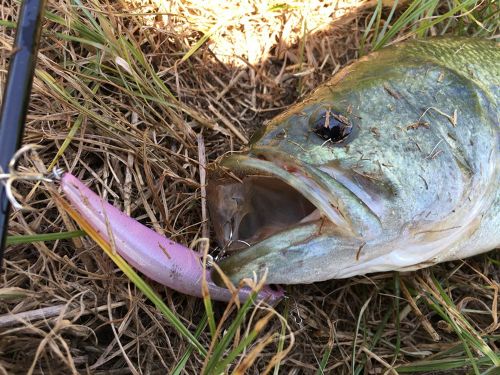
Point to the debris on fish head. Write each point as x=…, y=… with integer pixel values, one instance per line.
x=392, y=165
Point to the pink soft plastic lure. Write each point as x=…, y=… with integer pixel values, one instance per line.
x=157, y=257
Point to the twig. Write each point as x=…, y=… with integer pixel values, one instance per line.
x=9, y=319
x=425, y=323
x=228, y=123
x=202, y=159
x=231, y=83
x=370, y=354
x=452, y=119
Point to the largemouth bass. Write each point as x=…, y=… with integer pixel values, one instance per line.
x=392, y=165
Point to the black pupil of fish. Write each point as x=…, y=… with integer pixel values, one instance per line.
x=332, y=127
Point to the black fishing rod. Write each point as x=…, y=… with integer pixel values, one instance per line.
x=16, y=95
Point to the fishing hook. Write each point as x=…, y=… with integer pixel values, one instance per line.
x=296, y=314
x=7, y=178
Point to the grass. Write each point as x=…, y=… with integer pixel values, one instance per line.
x=122, y=91
x=28, y=239
x=426, y=18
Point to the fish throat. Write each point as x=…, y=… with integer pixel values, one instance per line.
x=256, y=207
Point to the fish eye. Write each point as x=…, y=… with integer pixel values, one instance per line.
x=331, y=125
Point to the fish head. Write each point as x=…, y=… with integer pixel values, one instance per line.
x=357, y=178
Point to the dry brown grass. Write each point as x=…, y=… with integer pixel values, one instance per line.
x=140, y=148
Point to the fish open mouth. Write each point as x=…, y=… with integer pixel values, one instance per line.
x=266, y=203
x=268, y=197
x=247, y=212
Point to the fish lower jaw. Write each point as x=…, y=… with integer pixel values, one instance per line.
x=236, y=244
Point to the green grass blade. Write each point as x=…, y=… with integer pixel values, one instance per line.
x=223, y=344
x=378, y=19
x=281, y=342
x=324, y=359
x=397, y=293
x=242, y=345
x=495, y=370
x=426, y=23
x=14, y=293
x=200, y=42
x=210, y=314
x=496, y=262
x=89, y=16
x=377, y=10
x=82, y=41
x=465, y=329
x=440, y=365
x=389, y=18
x=135, y=278
x=8, y=24
x=419, y=10
x=18, y=240
x=429, y=23
x=361, y=312
x=182, y=363
x=207, y=301
x=100, y=120
x=71, y=135
x=375, y=339
x=77, y=27
x=410, y=15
